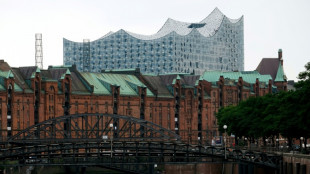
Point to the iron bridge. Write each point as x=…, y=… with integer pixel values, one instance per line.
x=113, y=141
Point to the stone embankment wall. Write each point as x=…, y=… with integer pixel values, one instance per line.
x=295, y=164
x=216, y=168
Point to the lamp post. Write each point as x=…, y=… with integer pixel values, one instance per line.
x=225, y=127
x=111, y=126
x=277, y=143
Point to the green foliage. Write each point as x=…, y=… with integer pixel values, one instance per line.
x=285, y=113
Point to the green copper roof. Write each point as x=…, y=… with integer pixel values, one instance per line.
x=177, y=78
x=2, y=88
x=33, y=75
x=6, y=74
x=64, y=75
x=38, y=70
x=247, y=76
x=10, y=74
x=17, y=88
x=68, y=72
x=280, y=74
x=251, y=76
x=95, y=80
x=102, y=82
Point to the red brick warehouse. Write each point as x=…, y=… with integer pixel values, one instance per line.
x=184, y=103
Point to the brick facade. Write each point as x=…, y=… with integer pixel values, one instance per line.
x=183, y=103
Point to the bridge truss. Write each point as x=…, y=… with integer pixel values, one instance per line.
x=93, y=127
x=131, y=145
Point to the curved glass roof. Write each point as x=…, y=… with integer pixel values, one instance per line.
x=207, y=27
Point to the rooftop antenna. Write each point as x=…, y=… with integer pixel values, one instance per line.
x=39, y=50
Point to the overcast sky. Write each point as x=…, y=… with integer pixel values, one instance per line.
x=268, y=25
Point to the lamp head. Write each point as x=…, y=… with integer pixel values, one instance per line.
x=225, y=126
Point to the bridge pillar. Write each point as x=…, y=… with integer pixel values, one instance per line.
x=303, y=169
x=297, y=168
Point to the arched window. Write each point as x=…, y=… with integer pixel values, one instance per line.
x=52, y=93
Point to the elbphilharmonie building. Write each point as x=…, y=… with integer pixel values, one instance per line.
x=215, y=43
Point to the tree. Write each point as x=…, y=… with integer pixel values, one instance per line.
x=303, y=101
x=285, y=113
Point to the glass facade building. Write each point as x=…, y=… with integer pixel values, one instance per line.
x=215, y=43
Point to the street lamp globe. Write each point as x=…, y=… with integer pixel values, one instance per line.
x=225, y=126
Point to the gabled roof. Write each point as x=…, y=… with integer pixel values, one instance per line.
x=268, y=66
x=27, y=72
x=4, y=66
x=168, y=79
x=18, y=78
x=102, y=81
x=77, y=86
x=191, y=79
x=57, y=73
x=157, y=84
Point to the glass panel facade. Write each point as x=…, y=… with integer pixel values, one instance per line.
x=216, y=43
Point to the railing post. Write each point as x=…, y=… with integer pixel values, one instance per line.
x=187, y=152
x=174, y=152
x=137, y=166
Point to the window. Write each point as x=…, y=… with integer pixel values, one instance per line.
x=106, y=107
x=97, y=107
x=151, y=111
x=18, y=124
x=76, y=107
x=128, y=110
x=86, y=107
x=27, y=118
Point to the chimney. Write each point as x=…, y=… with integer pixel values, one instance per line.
x=280, y=56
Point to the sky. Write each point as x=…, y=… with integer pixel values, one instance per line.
x=268, y=26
